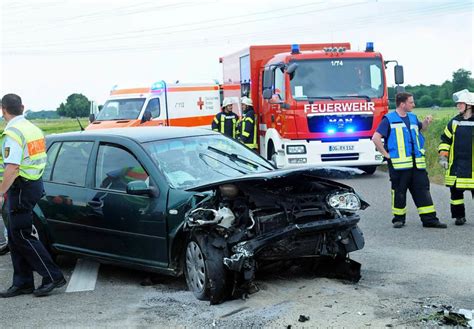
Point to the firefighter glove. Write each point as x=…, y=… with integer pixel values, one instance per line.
x=443, y=162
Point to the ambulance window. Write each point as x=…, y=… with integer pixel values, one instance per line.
x=154, y=107
x=71, y=165
x=280, y=83
x=52, y=153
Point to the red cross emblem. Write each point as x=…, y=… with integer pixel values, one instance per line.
x=200, y=103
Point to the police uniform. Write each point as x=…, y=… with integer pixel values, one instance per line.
x=407, y=167
x=248, y=129
x=23, y=144
x=225, y=123
x=458, y=141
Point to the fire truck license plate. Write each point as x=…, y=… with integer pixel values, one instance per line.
x=341, y=148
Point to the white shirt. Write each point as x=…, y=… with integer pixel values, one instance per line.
x=12, y=152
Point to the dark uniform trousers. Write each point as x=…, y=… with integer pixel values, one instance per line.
x=27, y=253
x=417, y=182
x=457, y=202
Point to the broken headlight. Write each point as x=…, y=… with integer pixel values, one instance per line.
x=344, y=201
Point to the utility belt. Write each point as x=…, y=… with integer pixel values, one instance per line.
x=21, y=182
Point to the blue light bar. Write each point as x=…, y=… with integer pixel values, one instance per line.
x=295, y=49
x=350, y=130
x=157, y=86
x=331, y=131
x=369, y=47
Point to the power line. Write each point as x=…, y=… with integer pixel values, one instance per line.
x=394, y=17
x=167, y=30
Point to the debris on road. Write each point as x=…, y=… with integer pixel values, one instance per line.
x=303, y=318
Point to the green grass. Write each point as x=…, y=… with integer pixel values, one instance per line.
x=54, y=126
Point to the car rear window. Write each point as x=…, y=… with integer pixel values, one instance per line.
x=71, y=163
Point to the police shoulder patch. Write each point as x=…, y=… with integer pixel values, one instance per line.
x=6, y=152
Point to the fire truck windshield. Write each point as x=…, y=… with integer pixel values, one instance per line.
x=335, y=78
x=121, y=109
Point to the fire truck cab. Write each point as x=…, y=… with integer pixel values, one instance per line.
x=317, y=104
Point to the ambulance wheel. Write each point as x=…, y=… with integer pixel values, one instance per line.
x=369, y=170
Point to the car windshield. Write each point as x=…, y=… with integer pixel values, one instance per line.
x=121, y=109
x=338, y=78
x=197, y=160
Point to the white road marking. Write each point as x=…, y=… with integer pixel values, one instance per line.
x=84, y=276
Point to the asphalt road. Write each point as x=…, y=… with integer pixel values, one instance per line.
x=406, y=273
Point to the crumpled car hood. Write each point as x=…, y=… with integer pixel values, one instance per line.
x=272, y=175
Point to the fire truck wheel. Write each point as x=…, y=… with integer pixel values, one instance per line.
x=369, y=170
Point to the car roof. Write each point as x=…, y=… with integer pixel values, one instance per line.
x=139, y=134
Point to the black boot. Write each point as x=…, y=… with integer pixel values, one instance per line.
x=460, y=221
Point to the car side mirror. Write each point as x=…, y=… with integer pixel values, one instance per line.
x=146, y=116
x=139, y=187
x=398, y=72
x=91, y=118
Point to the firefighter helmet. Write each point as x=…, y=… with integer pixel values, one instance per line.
x=464, y=96
x=227, y=101
x=247, y=101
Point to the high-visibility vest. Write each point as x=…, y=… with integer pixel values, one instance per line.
x=31, y=140
x=458, y=140
x=225, y=124
x=249, y=139
x=405, y=144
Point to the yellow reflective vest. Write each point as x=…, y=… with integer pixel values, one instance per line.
x=31, y=140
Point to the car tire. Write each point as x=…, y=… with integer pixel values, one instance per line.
x=204, y=270
x=4, y=248
x=38, y=231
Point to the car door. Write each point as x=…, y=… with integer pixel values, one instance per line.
x=64, y=204
x=129, y=227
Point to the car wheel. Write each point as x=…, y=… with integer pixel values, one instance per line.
x=205, y=274
x=196, y=272
x=4, y=248
x=39, y=233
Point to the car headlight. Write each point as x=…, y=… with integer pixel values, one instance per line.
x=296, y=149
x=344, y=201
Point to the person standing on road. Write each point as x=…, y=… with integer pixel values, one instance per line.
x=24, y=160
x=247, y=126
x=405, y=155
x=456, y=154
x=225, y=121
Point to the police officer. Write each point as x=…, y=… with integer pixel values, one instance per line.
x=406, y=161
x=225, y=121
x=24, y=157
x=456, y=154
x=247, y=124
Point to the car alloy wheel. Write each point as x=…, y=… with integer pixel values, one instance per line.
x=196, y=275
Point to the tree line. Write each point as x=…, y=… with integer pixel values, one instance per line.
x=78, y=105
x=437, y=95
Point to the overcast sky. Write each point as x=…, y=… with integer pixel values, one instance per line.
x=50, y=49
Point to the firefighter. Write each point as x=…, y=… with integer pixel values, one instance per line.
x=225, y=121
x=404, y=150
x=247, y=127
x=456, y=154
x=24, y=160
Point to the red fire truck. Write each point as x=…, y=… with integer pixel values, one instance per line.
x=317, y=104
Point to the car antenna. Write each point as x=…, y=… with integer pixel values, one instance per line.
x=80, y=125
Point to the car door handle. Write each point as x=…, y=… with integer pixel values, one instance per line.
x=95, y=204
